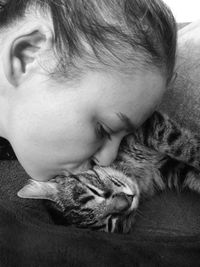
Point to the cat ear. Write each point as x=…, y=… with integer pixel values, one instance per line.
x=39, y=190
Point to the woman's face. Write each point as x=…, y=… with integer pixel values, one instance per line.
x=58, y=127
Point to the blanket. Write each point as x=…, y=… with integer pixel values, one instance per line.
x=166, y=232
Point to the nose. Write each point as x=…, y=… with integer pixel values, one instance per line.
x=108, y=152
x=122, y=202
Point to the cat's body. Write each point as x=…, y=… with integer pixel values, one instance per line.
x=160, y=154
x=157, y=155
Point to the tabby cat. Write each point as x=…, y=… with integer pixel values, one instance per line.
x=158, y=154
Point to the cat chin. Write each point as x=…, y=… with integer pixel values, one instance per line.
x=125, y=224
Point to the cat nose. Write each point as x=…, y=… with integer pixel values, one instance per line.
x=122, y=202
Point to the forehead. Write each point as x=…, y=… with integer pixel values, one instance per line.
x=134, y=96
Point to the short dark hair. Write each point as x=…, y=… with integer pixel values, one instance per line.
x=118, y=33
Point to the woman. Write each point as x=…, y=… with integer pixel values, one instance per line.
x=70, y=68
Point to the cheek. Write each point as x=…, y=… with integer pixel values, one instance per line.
x=50, y=135
x=49, y=140
x=62, y=143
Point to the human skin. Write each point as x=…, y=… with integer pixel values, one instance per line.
x=52, y=125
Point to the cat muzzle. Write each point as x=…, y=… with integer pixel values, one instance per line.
x=122, y=202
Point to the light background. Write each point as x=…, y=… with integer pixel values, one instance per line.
x=184, y=10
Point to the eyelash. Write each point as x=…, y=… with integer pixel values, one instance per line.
x=101, y=132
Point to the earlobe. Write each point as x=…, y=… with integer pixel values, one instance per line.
x=22, y=54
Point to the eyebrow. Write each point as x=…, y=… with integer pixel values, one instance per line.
x=126, y=121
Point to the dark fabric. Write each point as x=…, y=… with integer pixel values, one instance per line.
x=26, y=241
x=166, y=232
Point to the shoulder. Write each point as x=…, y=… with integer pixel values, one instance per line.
x=182, y=99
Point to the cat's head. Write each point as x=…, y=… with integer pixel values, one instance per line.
x=101, y=199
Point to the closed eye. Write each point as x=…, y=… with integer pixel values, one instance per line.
x=102, y=132
x=94, y=191
x=86, y=199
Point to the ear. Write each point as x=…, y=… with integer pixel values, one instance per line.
x=39, y=190
x=23, y=51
